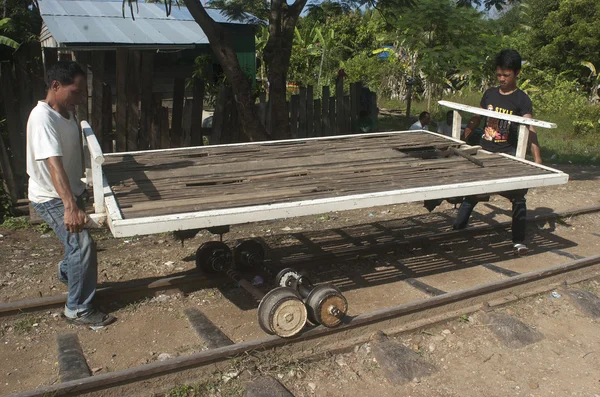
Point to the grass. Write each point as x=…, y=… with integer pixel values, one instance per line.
x=25, y=325
x=266, y=363
x=559, y=146
x=135, y=306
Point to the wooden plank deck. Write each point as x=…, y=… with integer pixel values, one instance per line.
x=150, y=184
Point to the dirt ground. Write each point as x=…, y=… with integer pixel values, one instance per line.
x=468, y=358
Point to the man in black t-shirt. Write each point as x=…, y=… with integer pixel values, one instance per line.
x=500, y=136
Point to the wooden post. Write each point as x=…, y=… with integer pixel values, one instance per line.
x=523, y=140
x=97, y=66
x=317, y=118
x=309, y=111
x=146, y=116
x=326, y=127
x=294, y=111
x=133, y=100
x=332, y=125
x=339, y=99
x=122, y=58
x=218, y=116
x=456, y=124
x=177, y=115
x=16, y=132
x=302, y=113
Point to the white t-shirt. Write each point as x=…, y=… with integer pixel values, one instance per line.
x=417, y=126
x=48, y=135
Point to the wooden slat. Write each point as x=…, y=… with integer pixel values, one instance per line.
x=97, y=67
x=164, y=128
x=302, y=113
x=333, y=127
x=133, y=99
x=146, y=110
x=122, y=60
x=294, y=114
x=309, y=111
x=325, y=126
x=219, y=116
x=197, y=107
x=318, y=131
x=177, y=115
x=339, y=107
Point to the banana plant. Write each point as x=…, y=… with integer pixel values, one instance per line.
x=4, y=40
x=594, y=79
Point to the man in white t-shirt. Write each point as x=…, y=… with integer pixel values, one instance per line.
x=423, y=123
x=54, y=165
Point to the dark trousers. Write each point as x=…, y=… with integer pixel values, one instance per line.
x=519, y=213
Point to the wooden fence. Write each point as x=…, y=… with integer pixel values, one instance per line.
x=328, y=115
x=134, y=116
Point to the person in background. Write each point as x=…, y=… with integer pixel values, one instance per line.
x=445, y=127
x=423, y=123
x=500, y=136
x=54, y=166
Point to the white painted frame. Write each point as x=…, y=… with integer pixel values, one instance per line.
x=96, y=160
x=523, y=121
x=231, y=216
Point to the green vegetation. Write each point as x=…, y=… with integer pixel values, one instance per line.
x=25, y=324
x=15, y=223
x=449, y=47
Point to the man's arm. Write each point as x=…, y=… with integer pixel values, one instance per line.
x=75, y=218
x=533, y=142
x=473, y=123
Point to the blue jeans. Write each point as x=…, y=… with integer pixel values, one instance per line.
x=79, y=268
x=519, y=213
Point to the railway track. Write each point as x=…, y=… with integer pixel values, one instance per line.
x=437, y=307
x=193, y=280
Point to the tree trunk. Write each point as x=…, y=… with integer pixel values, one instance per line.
x=277, y=55
x=222, y=46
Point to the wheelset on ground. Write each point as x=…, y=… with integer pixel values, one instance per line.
x=285, y=310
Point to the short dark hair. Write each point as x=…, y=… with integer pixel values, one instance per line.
x=423, y=115
x=64, y=72
x=509, y=59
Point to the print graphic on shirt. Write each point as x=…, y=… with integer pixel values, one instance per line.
x=497, y=130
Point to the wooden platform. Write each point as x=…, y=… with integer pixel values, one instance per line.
x=159, y=191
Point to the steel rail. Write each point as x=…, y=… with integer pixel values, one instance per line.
x=200, y=281
x=130, y=375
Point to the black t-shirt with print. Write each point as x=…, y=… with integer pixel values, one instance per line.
x=502, y=135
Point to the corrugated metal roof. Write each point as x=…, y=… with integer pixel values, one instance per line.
x=75, y=22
